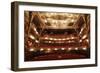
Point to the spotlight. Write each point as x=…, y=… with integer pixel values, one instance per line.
x=81, y=31
x=84, y=48
x=45, y=21
x=36, y=41
x=87, y=40
x=67, y=38
x=76, y=48
x=48, y=49
x=84, y=36
x=72, y=37
x=51, y=38
x=55, y=39
x=80, y=40
x=46, y=37
x=59, y=39
x=72, y=20
x=63, y=39
x=32, y=37
x=69, y=49
x=62, y=48
x=35, y=30
x=31, y=49
x=69, y=41
x=49, y=41
x=55, y=49
x=41, y=49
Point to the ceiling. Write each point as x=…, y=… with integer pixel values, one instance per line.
x=56, y=20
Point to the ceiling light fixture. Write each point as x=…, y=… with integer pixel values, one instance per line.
x=87, y=40
x=36, y=41
x=55, y=49
x=49, y=41
x=35, y=30
x=84, y=36
x=55, y=39
x=31, y=49
x=84, y=48
x=76, y=48
x=72, y=37
x=46, y=37
x=80, y=40
x=32, y=37
x=51, y=38
x=69, y=49
x=62, y=48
